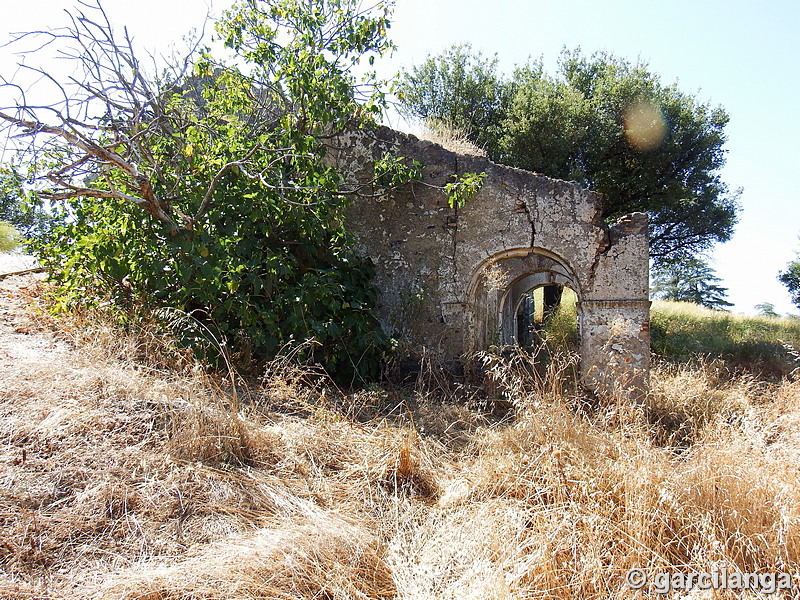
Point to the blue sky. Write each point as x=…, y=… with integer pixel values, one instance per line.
x=742, y=55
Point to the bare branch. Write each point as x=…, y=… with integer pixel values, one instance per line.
x=73, y=191
x=85, y=144
x=115, y=123
x=215, y=181
x=103, y=154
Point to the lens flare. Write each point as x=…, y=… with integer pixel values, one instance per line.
x=644, y=126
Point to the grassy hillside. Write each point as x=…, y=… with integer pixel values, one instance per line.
x=681, y=331
x=128, y=479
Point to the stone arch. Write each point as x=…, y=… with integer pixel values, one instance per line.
x=462, y=268
x=498, y=285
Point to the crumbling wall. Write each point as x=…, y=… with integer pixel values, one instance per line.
x=449, y=278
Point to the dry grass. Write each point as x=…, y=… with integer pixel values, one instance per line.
x=759, y=344
x=126, y=481
x=450, y=138
x=313, y=556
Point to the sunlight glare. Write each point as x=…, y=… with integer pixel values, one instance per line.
x=645, y=127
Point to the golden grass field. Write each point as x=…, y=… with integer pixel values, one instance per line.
x=129, y=475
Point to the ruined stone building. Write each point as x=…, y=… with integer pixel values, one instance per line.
x=452, y=279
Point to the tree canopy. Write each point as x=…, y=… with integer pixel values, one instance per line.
x=203, y=187
x=461, y=88
x=791, y=279
x=689, y=280
x=606, y=123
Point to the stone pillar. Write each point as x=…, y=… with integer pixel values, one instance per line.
x=615, y=346
x=614, y=314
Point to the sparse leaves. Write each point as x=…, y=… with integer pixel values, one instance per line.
x=464, y=187
x=393, y=171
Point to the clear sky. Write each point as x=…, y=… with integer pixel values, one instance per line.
x=743, y=55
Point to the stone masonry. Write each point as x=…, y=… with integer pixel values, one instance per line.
x=451, y=280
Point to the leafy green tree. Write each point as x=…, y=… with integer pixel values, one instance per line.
x=603, y=122
x=545, y=124
x=689, y=280
x=205, y=188
x=459, y=88
x=791, y=279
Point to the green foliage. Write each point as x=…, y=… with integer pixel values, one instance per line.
x=458, y=88
x=257, y=272
x=610, y=125
x=791, y=279
x=19, y=208
x=464, y=187
x=689, y=280
x=546, y=122
x=393, y=171
x=10, y=238
x=260, y=255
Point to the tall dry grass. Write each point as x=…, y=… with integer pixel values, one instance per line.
x=130, y=482
x=682, y=332
x=450, y=137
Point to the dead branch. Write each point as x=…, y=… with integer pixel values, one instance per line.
x=25, y=272
x=112, y=122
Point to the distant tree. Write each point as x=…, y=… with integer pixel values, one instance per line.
x=603, y=122
x=10, y=238
x=460, y=89
x=689, y=280
x=766, y=309
x=791, y=279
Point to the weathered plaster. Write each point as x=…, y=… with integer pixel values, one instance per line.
x=450, y=279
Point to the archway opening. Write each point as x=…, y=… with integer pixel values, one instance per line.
x=546, y=312
x=518, y=294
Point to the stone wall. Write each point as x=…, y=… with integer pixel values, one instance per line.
x=450, y=279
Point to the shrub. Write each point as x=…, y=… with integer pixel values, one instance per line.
x=207, y=191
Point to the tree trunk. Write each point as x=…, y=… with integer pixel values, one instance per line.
x=552, y=300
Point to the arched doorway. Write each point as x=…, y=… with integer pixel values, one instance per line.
x=543, y=311
x=501, y=292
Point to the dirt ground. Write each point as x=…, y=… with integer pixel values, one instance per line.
x=22, y=338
